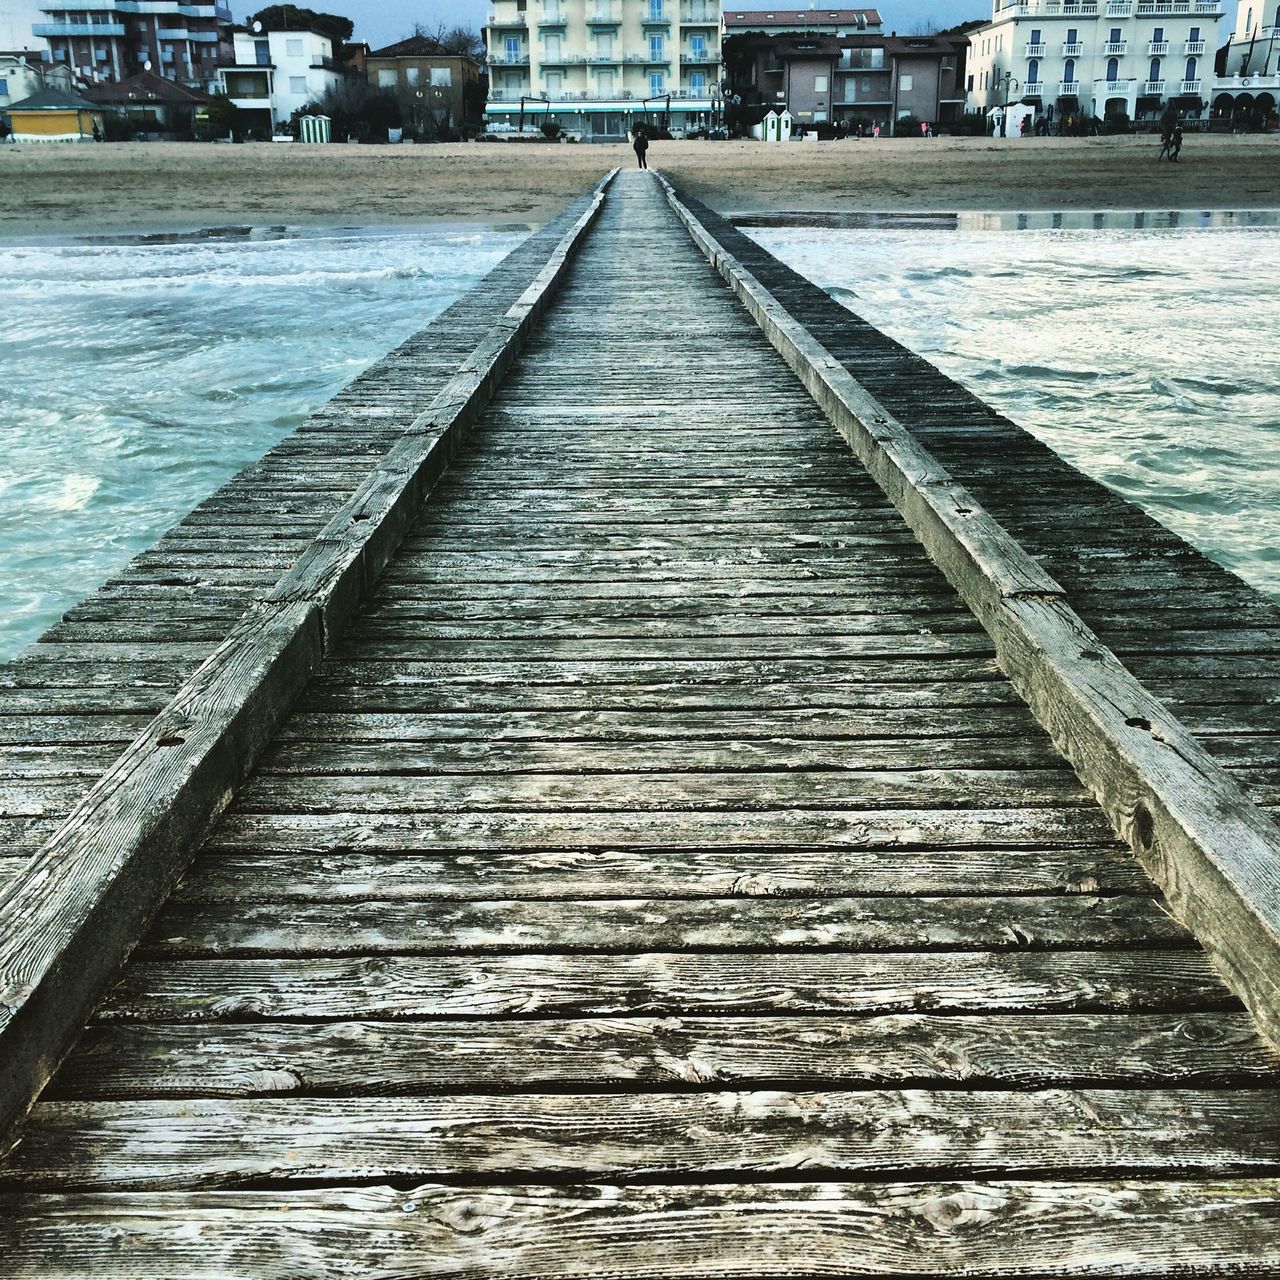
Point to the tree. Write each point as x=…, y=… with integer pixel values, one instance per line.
x=356, y=109
x=222, y=115
x=289, y=17
x=462, y=41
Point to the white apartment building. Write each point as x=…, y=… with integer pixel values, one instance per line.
x=599, y=65
x=1247, y=93
x=276, y=72
x=1097, y=57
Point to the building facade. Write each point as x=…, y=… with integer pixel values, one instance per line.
x=844, y=80
x=600, y=65
x=275, y=73
x=116, y=39
x=1102, y=58
x=23, y=72
x=437, y=91
x=1246, y=86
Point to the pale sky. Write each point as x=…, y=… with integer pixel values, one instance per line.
x=381, y=22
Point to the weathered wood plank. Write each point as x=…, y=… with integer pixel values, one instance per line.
x=194, y=1143
x=1216, y=855
x=356, y=868
x=401, y=927
x=405, y=1057
x=953, y=1230
x=666, y=983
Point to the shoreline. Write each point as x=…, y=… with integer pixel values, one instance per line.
x=115, y=189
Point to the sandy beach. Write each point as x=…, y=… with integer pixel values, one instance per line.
x=78, y=190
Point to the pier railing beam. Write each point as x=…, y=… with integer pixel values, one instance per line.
x=1212, y=851
x=70, y=918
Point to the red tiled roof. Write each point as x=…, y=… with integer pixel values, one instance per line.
x=146, y=86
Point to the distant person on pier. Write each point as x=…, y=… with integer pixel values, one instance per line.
x=641, y=145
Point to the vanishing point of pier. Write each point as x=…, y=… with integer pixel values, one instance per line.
x=652, y=780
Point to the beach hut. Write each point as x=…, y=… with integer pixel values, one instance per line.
x=315, y=129
x=50, y=115
x=775, y=127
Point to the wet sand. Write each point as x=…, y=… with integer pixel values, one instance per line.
x=56, y=189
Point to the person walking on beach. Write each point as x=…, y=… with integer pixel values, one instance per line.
x=1175, y=143
x=641, y=145
x=1166, y=143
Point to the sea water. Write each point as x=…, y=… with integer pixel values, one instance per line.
x=1138, y=347
x=137, y=376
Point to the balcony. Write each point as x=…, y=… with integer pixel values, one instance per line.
x=705, y=57
x=1035, y=90
x=1168, y=8
x=1072, y=50
x=516, y=20
x=551, y=18
x=1193, y=47
x=1058, y=8
x=1115, y=50
x=604, y=18
x=1035, y=51
x=1189, y=86
x=1160, y=47
x=700, y=13
x=77, y=30
x=1069, y=88
x=1119, y=8
x=509, y=60
x=1117, y=88
x=1152, y=88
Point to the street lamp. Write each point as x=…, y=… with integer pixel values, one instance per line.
x=715, y=104
x=1004, y=114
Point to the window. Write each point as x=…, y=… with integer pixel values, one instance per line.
x=904, y=83
x=655, y=82
x=698, y=46
x=1194, y=33
x=513, y=47
x=819, y=84
x=1113, y=70
x=261, y=53
x=1114, y=37
x=1191, y=70
x=1157, y=35
x=1033, y=71
x=555, y=81
x=698, y=83
x=1035, y=35
x=1153, y=71
x=101, y=55
x=655, y=10
x=386, y=78
x=293, y=48
x=969, y=86
x=412, y=76
x=4, y=88
x=1069, y=71
x=298, y=84
x=1248, y=22
x=655, y=48
x=442, y=77
x=552, y=47
x=1073, y=35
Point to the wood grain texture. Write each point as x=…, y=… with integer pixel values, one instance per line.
x=953, y=1230
x=70, y=917
x=1213, y=851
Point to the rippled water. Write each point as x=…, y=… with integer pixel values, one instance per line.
x=1147, y=358
x=137, y=377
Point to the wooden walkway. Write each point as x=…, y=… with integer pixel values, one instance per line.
x=659, y=877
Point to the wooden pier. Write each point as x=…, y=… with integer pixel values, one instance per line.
x=651, y=781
